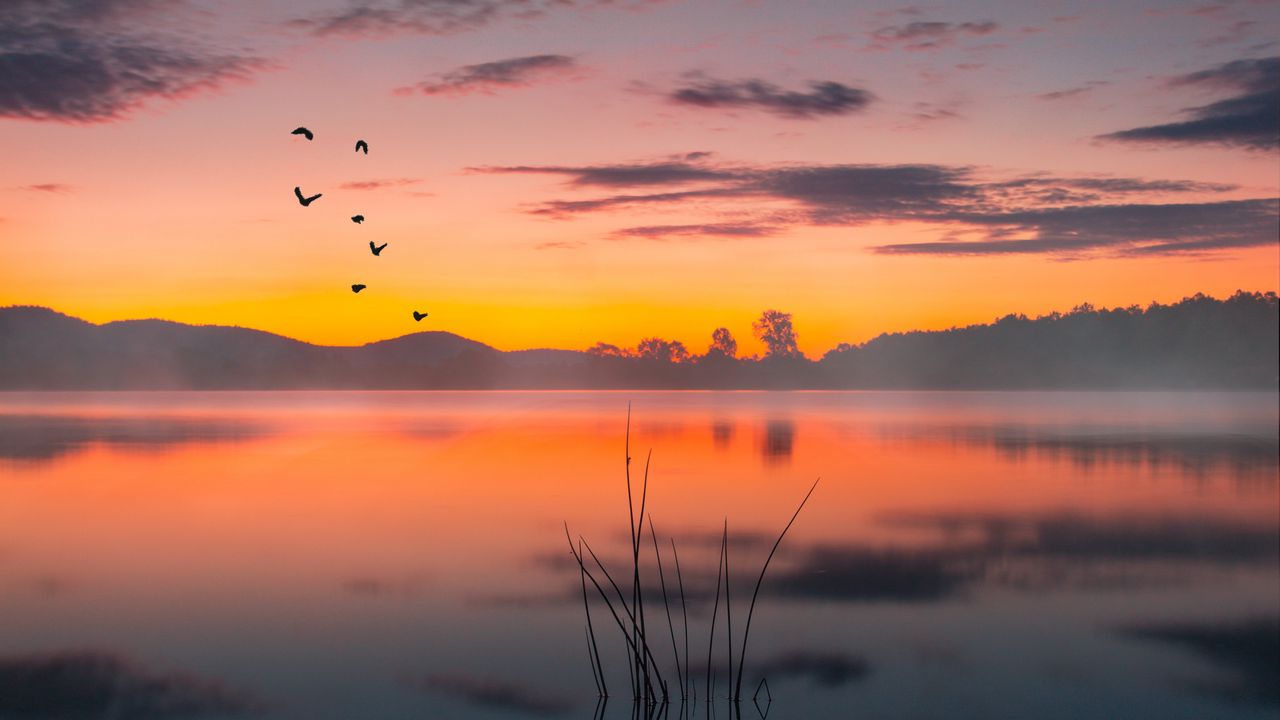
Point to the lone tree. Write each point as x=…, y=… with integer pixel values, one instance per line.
x=774, y=329
x=722, y=343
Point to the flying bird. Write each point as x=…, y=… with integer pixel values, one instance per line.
x=357, y=219
x=304, y=132
x=357, y=288
x=305, y=200
x=417, y=316
x=377, y=249
x=362, y=146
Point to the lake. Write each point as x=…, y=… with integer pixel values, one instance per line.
x=403, y=554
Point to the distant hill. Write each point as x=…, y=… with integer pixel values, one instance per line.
x=44, y=349
x=1200, y=342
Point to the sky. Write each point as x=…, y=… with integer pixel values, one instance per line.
x=556, y=173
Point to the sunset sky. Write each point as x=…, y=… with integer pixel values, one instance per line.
x=552, y=173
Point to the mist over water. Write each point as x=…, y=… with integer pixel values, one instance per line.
x=402, y=554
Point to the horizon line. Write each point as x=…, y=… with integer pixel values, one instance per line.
x=881, y=334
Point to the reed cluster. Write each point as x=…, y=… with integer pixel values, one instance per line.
x=652, y=689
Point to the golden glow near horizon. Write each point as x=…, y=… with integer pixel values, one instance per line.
x=182, y=207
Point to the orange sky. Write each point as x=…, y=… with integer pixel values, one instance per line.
x=119, y=202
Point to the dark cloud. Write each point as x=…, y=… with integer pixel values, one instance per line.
x=76, y=685
x=821, y=99
x=840, y=194
x=1249, y=119
x=559, y=245
x=367, y=18
x=1073, y=92
x=930, y=35
x=628, y=175
x=723, y=230
x=618, y=176
x=378, y=18
x=923, y=112
x=491, y=76
x=1115, y=185
x=1245, y=652
x=1131, y=229
x=80, y=61
x=1037, y=214
x=496, y=695
x=54, y=188
x=568, y=208
x=378, y=184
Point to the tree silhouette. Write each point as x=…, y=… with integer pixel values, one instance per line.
x=654, y=348
x=722, y=343
x=603, y=349
x=774, y=329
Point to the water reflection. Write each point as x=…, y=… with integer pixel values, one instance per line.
x=1245, y=653
x=948, y=555
x=496, y=694
x=721, y=434
x=38, y=438
x=86, y=684
x=779, y=441
x=1244, y=457
x=401, y=555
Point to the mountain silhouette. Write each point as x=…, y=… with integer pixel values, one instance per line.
x=44, y=349
x=1199, y=342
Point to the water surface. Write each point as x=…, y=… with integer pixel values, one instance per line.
x=402, y=555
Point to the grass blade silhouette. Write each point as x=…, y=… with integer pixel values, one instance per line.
x=728, y=605
x=742, y=657
x=684, y=610
x=596, y=668
x=675, y=650
x=711, y=635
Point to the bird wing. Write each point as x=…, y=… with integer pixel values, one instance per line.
x=298, y=191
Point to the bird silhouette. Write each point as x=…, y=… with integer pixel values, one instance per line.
x=417, y=316
x=305, y=200
x=362, y=146
x=357, y=219
x=304, y=132
x=377, y=249
x=357, y=288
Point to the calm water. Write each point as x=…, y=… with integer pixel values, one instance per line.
x=402, y=555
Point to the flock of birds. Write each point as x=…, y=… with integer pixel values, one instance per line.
x=306, y=200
